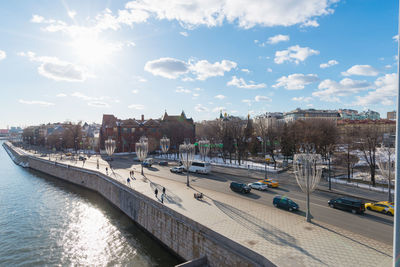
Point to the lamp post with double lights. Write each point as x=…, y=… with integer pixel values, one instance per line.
x=142, y=148
x=164, y=144
x=204, y=148
x=308, y=172
x=186, y=154
x=110, y=148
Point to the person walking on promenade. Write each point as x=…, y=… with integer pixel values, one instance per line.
x=97, y=163
x=156, y=192
x=163, y=190
x=162, y=198
x=128, y=180
x=106, y=170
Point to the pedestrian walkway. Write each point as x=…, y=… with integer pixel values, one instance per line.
x=284, y=238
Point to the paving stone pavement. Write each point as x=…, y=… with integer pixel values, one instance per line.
x=284, y=238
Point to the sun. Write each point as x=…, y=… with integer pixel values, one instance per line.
x=91, y=50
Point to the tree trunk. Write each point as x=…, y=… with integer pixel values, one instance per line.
x=348, y=164
x=372, y=175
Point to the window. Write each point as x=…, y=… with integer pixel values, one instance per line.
x=198, y=164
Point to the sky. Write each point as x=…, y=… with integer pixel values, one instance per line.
x=76, y=60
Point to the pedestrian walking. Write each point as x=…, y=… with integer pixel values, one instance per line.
x=106, y=170
x=156, y=192
x=162, y=198
x=128, y=180
x=97, y=163
x=163, y=190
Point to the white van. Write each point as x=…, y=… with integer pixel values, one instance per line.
x=148, y=162
x=200, y=167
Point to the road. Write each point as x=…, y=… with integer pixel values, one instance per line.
x=371, y=224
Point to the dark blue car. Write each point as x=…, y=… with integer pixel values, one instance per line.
x=285, y=203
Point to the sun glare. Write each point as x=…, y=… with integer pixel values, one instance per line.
x=92, y=50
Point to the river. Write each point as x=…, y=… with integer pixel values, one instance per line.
x=46, y=221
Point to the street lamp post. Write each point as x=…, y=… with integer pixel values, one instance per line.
x=186, y=154
x=204, y=147
x=142, y=148
x=110, y=148
x=164, y=144
x=329, y=170
x=308, y=174
x=386, y=166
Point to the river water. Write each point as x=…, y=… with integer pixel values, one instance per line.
x=45, y=221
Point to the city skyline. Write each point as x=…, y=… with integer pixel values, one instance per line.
x=72, y=60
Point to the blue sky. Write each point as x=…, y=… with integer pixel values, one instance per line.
x=76, y=60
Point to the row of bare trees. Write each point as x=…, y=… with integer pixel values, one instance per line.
x=241, y=138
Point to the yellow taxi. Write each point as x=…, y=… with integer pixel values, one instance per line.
x=381, y=207
x=386, y=203
x=269, y=182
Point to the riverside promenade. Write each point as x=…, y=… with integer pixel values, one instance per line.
x=284, y=238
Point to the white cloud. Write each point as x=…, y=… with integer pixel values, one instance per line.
x=385, y=93
x=166, y=67
x=220, y=97
x=330, y=63
x=200, y=108
x=310, y=23
x=302, y=99
x=195, y=95
x=135, y=91
x=294, y=54
x=361, y=70
x=72, y=14
x=198, y=89
x=296, y=81
x=61, y=95
x=55, y=69
x=330, y=91
x=278, y=38
x=37, y=19
x=98, y=104
x=261, y=98
x=247, y=101
x=269, y=70
x=204, y=69
x=3, y=55
x=245, y=70
x=192, y=13
x=396, y=38
x=241, y=83
x=180, y=89
x=184, y=34
x=218, y=109
x=388, y=66
x=34, y=102
x=172, y=68
x=136, y=106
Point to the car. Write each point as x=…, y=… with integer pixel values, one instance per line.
x=269, y=182
x=386, y=202
x=178, y=169
x=43, y=155
x=258, y=186
x=82, y=158
x=381, y=207
x=239, y=187
x=68, y=154
x=163, y=163
x=285, y=203
x=148, y=162
x=348, y=204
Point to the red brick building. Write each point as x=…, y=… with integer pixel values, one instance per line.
x=127, y=132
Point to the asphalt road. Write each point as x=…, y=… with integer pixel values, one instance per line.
x=371, y=224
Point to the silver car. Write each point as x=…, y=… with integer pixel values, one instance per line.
x=258, y=186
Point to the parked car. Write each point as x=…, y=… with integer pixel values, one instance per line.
x=178, y=169
x=68, y=154
x=82, y=158
x=269, y=182
x=348, y=204
x=258, y=186
x=239, y=187
x=43, y=155
x=148, y=162
x=285, y=203
x=163, y=163
x=381, y=207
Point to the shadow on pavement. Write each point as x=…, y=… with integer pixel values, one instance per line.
x=262, y=228
x=169, y=197
x=281, y=189
x=349, y=238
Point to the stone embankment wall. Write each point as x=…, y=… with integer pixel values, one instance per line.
x=185, y=237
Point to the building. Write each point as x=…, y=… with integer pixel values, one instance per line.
x=306, y=114
x=391, y=115
x=383, y=126
x=127, y=132
x=351, y=114
x=270, y=119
